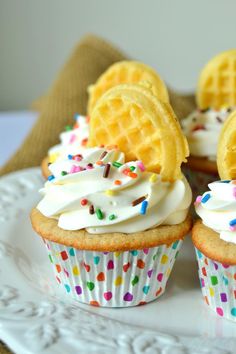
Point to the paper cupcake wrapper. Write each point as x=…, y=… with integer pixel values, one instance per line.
x=113, y=279
x=218, y=284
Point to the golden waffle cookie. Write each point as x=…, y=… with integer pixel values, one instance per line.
x=226, y=154
x=125, y=72
x=141, y=126
x=217, y=82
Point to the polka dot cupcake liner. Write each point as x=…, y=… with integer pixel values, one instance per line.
x=218, y=284
x=113, y=279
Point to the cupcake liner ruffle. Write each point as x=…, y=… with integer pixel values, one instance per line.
x=218, y=284
x=113, y=279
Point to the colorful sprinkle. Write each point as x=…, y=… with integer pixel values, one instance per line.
x=117, y=182
x=63, y=173
x=138, y=201
x=68, y=128
x=70, y=157
x=144, y=207
x=205, y=198
x=103, y=155
x=234, y=192
x=132, y=174
x=198, y=199
x=51, y=177
x=198, y=127
x=99, y=163
x=91, y=209
x=106, y=170
x=84, y=202
x=112, y=217
x=77, y=157
x=99, y=214
x=232, y=222
x=72, y=138
x=89, y=166
x=84, y=141
x=132, y=168
x=110, y=192
x=141, y=166
x=153, y=178
x=116, y=164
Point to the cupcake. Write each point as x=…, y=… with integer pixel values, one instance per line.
x=214, y=236
x=113, y=222
x=121, y=72
x=216, y=99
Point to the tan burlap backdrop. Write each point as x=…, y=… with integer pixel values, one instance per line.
x=67, y=96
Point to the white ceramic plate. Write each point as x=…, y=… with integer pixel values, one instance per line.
x=35, y=317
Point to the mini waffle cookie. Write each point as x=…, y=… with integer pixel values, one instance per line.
x=126, y=72
x=141, y=126
x=217, y=82
x=226, y=154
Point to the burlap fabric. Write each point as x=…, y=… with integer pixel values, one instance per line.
x=67, y=96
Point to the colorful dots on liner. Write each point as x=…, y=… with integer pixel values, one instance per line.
x=144, y=206
x=205, y=198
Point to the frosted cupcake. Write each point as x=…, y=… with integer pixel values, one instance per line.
x=113, y=224
x=216, y=99
x=215, y=235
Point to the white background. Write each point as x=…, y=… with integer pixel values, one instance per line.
x=177, y=37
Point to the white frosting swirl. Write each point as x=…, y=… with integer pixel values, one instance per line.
x=217, y=209
x=202, y=129
x=71, y=140
x=68, y=197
